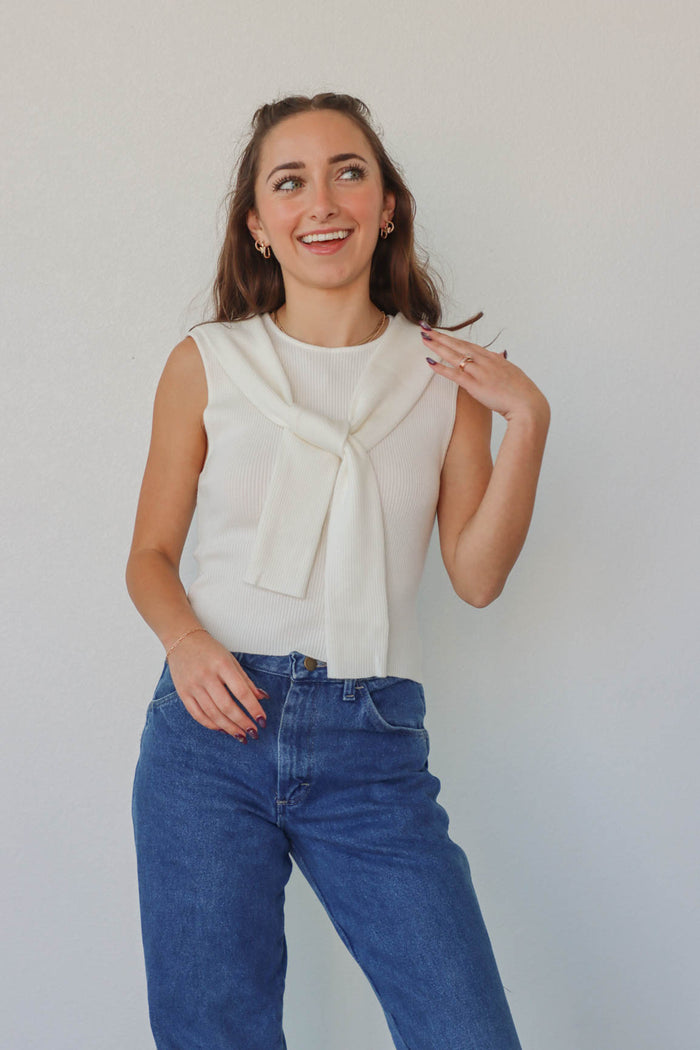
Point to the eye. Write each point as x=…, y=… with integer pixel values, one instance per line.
x=355, y=169
x=285, y=178
x=361, y=172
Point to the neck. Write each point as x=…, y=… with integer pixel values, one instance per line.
x=325, y=318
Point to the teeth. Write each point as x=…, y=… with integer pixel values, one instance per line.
x=311, y=238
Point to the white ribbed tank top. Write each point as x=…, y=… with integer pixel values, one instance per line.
x=241, y=452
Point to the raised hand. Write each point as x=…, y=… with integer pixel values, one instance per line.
x=486, y=375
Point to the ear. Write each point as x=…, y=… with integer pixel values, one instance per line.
x=253, y=224
x=389, y=206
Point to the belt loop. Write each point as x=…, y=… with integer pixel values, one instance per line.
x=349, y=689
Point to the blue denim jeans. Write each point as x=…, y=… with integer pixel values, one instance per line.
x=338, y=780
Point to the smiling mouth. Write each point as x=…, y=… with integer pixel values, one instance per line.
x=318, y=238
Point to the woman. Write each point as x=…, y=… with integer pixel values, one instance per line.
x=317, y=441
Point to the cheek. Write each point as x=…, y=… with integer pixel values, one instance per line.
x=280, y=213
x=369, y=209
x=286, y=216
x=372, y=207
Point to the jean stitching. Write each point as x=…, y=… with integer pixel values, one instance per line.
x=160, y=700
x=376, y=714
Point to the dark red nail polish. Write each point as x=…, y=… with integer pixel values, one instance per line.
x=261, y=720
x=424, y=324
x=426, y=336
x=430, y=361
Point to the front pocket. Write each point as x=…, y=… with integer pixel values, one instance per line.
x=395, y=705
x=165, y=691
x=167, y=699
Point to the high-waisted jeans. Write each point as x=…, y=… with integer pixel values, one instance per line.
x=338, y=780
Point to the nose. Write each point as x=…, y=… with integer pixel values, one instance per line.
x=323, y=202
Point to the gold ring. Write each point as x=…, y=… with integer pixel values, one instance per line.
x=465, y=360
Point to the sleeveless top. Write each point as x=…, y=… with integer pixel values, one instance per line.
x=317, y=498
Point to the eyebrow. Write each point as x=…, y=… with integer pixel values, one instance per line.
x=296, y=164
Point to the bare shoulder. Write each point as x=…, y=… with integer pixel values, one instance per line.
x=183, y=383
x=179, y=435
x=186, y=355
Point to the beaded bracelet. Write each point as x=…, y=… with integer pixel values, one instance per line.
x=177, y=642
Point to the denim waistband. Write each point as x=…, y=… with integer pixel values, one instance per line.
x=291, y=664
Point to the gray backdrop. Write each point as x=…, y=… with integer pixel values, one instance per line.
x=553, y=152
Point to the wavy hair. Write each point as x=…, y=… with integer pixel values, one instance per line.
x=247, y=284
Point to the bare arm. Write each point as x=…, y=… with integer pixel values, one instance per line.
x=167, y=498
x=203, y=671
x=485, y=509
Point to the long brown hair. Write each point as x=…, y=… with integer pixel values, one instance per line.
x=247, y=284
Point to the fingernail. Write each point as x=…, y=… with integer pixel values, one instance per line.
x=430, y=361
x=252, y=731
x=241, y=739
x=424, y=324
x=261, y=720
x=426, y=336
x=263, y=693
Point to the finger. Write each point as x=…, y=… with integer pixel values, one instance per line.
x=236, y=702
x=198, y=714
x=247, y=692
x=453, y=349
x=460, y=376
x=224, y=711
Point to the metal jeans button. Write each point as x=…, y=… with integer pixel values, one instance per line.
x=310, y=663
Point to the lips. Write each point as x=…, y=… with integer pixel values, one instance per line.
x=326, y=247
x=323, y=233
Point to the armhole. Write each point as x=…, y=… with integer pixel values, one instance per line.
x=208, y=378
x=206, y=364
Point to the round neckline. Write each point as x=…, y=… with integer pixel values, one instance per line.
x=267, y=320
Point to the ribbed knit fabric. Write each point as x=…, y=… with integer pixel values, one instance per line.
x=242, y=448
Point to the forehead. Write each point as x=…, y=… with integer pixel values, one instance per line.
x=306, y=136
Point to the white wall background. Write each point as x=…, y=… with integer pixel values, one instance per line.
x=553, y=149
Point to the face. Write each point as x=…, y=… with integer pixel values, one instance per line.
x=302, y=187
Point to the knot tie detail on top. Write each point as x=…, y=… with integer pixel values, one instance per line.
x=323, y=474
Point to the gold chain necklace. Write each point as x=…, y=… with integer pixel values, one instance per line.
x=372, y=334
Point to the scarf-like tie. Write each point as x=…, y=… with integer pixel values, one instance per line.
x=323, y=469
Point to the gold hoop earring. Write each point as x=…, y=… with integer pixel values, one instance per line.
x=264, y=249
x=386, y=230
